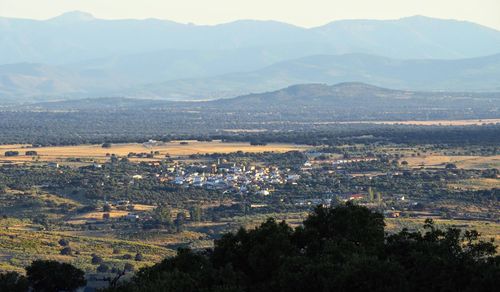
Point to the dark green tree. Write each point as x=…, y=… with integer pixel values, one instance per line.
x=52, y=276
x=195, y=213
x=12, y=281
x=337, y=249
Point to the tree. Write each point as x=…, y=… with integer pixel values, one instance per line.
x=258, y=253
x=451, y=166
x=12, y=281
x=67, y=251
x=448, y=259
x=337, y=249
x=128, y=267
x=54, y=276
x=138, y=257
x=371, y=194
x=195, y=213
x=63, y=242
x=351, y=226
x=163, y=216
x=102, y=268
x=179, y=221
x=488, y=173
x=96, y=260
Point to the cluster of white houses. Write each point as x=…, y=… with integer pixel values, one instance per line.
x=229, y=176
x=353, y=160
x=238, y=177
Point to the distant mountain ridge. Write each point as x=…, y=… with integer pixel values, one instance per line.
x=41, y=82
x=475, y=74
x=76, y=55
x=78, y=36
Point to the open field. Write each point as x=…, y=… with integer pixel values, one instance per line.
x=114, y=213
x=96, y=152
x=96, y=215
x=466, y=162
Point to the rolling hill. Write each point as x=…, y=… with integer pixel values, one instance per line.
x=348, y=95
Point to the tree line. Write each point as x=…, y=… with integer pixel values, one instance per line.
x=336, y=249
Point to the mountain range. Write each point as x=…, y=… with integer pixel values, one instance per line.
x=78, y=36
x=76, y=55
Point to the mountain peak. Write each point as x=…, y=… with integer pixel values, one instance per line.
x=419, y=17
x=74, y=16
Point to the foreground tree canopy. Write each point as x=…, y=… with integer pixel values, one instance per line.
x=337, y=249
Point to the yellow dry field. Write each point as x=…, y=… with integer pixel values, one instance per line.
x=143, y=208
x=465, y=162
x=97, y=215
x=96, y=152
x=114, y=213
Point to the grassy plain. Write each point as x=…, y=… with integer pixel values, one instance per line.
x=98, y=153
x=465, y=162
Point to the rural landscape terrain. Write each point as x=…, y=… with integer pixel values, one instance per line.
x=155, y=163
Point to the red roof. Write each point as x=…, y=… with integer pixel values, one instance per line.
x=356, y=196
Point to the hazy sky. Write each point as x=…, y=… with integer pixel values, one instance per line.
x=300, y=12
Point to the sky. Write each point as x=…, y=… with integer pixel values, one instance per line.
x=305, y=13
